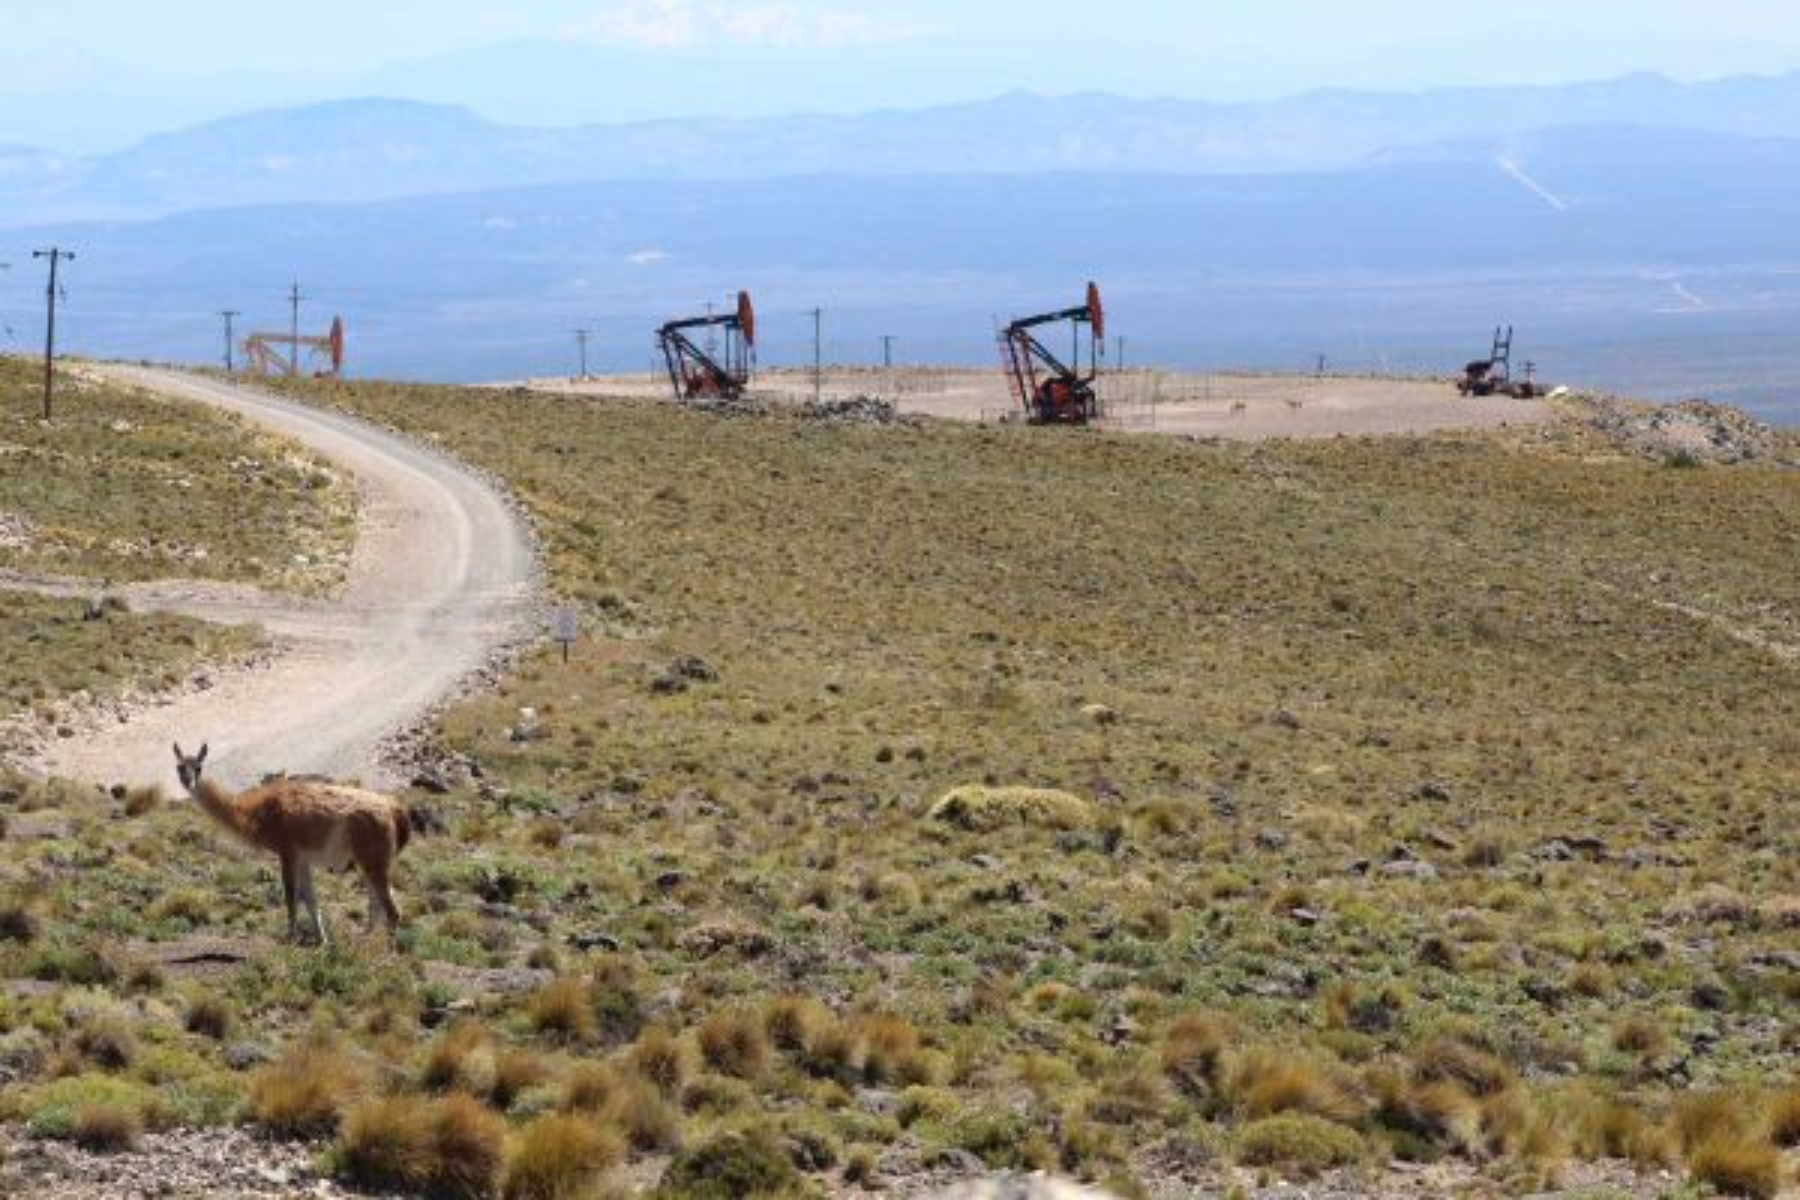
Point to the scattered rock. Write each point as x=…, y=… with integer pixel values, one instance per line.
x=16, y=531
x=1709, y=996
x=694, y=670
x=1410, y=869
x=1714, y=904
x=1693, y=432
x=1100, y=715
x=1432, y=792
x=713, y=938
x=857, y=410
x=1224, y=804
x=481, y=983
x=431, y=783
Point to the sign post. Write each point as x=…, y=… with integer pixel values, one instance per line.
x=566, y=628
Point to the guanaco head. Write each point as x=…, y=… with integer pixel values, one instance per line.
x=188, y=769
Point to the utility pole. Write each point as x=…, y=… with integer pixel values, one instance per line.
x=581, y=338
x=294, y=299
x=1322, y=361
x=230, y=316
x=55, y=255
x=1120, y=364
x=887, y=351
x=818, y=316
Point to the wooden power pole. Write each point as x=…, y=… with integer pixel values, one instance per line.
x=56, y=256
x=230, y=317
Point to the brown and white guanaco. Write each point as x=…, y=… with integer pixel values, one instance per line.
x=309, y=823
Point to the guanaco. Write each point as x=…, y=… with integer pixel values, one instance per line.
x=309, y=823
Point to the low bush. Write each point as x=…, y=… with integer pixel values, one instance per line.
x=735, y=1166
x=1299, y=1143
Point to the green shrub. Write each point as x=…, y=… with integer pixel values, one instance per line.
x=1299, y=1143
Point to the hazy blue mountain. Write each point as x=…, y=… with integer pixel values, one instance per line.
x=382, y=149
x=1628, y=258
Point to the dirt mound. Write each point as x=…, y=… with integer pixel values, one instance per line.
x=1693, y=431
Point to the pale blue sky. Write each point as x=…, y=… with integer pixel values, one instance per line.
x=115, y=68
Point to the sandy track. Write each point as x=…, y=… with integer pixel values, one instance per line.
x=443, y=575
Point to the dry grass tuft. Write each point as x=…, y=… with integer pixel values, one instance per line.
x=837, y=1051
x=386, y=1144
x=1266, y=1083
x=590, y=1088
x=1717, y=1116
x=1643, y=1036
x=1784, y=1118
x=564, y=1010
x=449, y=1150
x=107, y=1128
x=793, y=1021
x=516, y=1071
x=108, y=1041
x=470, y=1142
x=560, y=1157
x=1738, y=1167
x=305, y=1092
x=659, y=1058
x=1450, y=1059
x=734, y=1043
x=1192, y=1053
x=142, y=801
x=646, y=1117
x=893, y=1052
x=462, y=1057
x=210, y=1016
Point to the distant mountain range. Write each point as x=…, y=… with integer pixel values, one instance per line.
x=1659, y=263
x=363, y=150
x=1640, y=233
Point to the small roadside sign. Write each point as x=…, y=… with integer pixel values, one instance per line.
x=566, y=628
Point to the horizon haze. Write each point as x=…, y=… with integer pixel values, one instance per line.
x=1255, y=188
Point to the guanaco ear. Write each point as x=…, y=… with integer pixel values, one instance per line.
x=203, y=750
x=179, y=756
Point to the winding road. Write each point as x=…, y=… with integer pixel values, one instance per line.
x=443, y=576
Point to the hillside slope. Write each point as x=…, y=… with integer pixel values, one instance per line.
x=1417, y=798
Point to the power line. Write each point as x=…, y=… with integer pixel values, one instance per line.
x=56, y=256
x=230, y=315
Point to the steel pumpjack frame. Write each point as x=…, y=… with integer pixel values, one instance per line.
x=1493, y=376
x=1051, y=391
x=695, y=374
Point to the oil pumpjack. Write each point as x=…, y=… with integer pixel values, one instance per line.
x=698, y=373
x=1051, y=391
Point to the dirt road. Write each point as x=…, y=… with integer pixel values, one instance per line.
x=443, y=575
